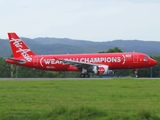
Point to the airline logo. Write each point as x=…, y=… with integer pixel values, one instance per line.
x=24, y=52
x=101, y=70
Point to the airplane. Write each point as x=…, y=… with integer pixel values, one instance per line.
x=97, y=63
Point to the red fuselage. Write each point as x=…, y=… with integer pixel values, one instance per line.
x=99, y=64
x=126, y=60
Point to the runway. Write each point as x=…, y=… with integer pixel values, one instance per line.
x=1, y=79
x=55, y=79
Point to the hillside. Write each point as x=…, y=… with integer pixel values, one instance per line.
x=65, y=45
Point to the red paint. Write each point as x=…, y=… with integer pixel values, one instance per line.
x=23, y=56
x=101, y=70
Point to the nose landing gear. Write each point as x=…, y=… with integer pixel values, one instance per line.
x=136, y=73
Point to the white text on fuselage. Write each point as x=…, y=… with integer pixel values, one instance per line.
x=85, y=60
x=24, y=52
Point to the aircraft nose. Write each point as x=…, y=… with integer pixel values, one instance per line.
x=153, y=62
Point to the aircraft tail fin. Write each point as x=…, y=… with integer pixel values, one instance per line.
x=19, y=48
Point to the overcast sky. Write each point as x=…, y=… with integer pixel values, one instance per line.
x=95, y=20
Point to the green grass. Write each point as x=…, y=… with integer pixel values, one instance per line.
x=113, y=99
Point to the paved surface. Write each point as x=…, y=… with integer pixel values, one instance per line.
x=72, y=78
x=55, y=78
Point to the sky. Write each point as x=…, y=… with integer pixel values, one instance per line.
x=93, y=20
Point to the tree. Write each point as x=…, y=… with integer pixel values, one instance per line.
x=4, y=68
x=112, y=50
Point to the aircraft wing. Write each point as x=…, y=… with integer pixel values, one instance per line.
x=78, y=64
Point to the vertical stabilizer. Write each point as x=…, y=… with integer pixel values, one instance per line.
x=19, y=48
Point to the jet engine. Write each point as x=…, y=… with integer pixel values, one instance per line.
x=101, y=70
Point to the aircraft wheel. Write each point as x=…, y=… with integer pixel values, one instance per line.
x=82, y=75
x=87, y=76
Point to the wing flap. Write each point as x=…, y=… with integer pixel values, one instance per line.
x=78, y=64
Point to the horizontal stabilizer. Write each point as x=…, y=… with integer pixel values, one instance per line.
x=17, y=60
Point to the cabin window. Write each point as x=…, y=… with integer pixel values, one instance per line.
x=145, y=58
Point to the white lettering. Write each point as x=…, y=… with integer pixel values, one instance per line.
x=16, y=42
x=85, y=60
x=102, y=59
x=114, y=59
x=91, y=60
x=82, y=60
x=52, y=61
x=109, y=59
x=24, y=52
x=57, y=62
x=118, y=59
x=47, y=61
x=96, y=60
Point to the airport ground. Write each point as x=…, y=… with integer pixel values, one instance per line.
x=76, y=99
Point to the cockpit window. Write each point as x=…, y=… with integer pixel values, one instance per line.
x=145, y=58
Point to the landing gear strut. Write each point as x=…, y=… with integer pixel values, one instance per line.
x=84, y=73
x=136, y=73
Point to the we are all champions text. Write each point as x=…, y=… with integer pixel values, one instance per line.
x=85, y=60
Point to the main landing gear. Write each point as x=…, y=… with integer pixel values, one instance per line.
x=84, y=73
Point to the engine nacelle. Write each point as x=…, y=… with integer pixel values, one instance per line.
x=101, y=70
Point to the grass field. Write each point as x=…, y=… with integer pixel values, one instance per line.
x=113, y=99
